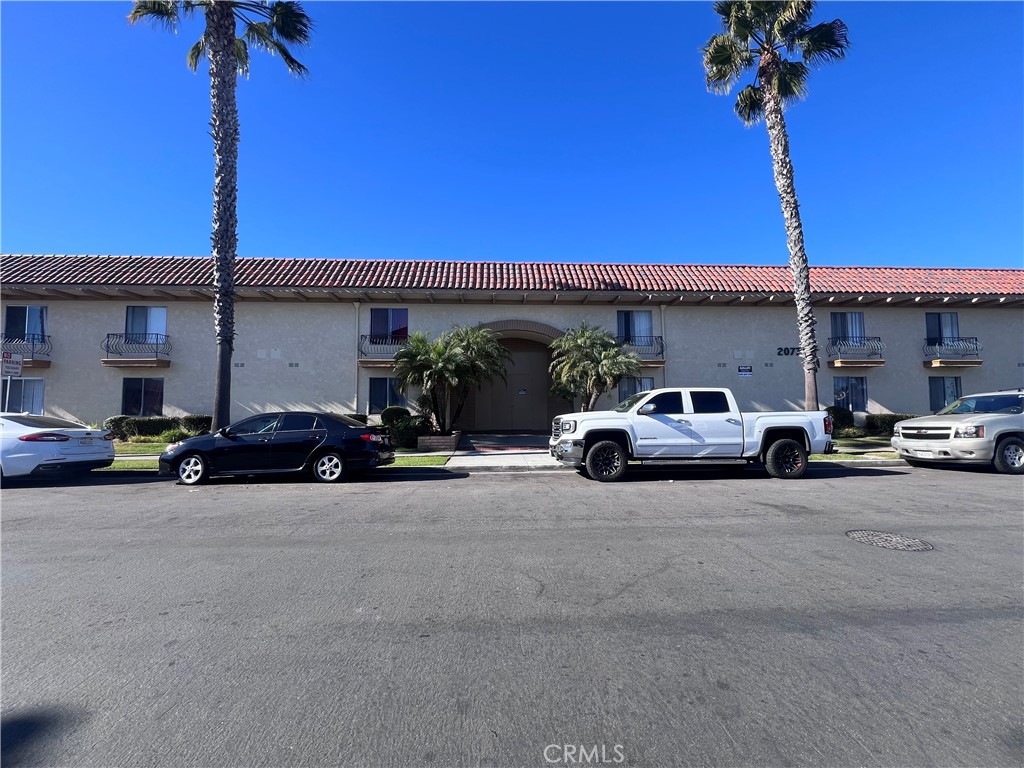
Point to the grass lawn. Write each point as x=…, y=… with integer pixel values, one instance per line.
x=131, y=464
x=138, y=449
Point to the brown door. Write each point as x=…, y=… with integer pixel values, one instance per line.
x=521, y=402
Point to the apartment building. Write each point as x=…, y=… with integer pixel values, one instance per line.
x=104, y=335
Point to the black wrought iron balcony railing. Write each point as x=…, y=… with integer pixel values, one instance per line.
x=31, y=346
x=381, y=346
x=855, y=346
x=148, y=345
x=952, y=346
x=644, y=347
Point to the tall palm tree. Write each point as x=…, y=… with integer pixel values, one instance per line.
x=268, y=26
x=759, y=36
x=447, y=368
x=587, y=361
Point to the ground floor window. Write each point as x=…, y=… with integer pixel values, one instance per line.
x=850, y=392
x=142, y=397
x=383, y=393
x=942, y=390
x=629, y=387
x=26, y=395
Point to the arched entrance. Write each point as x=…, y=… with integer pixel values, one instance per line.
x=522, y=403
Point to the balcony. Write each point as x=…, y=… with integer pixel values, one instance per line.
x=379, y=351
x=952, y=352
x=644, y=347
x=34, y=349
x=855, y=352
x=137, y=350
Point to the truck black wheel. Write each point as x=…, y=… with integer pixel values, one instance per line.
x=606, y=461
x=786, y=459
x=1009, y=456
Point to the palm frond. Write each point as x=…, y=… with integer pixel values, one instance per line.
x=242, y=56
x=791, y=80
x=261, y=35
x=750, y=105
x=794, y=16
x=163, y=12
x=725, y=59
x=763, y=15
x=291, y=24
x=196, y=53
x=823, y=43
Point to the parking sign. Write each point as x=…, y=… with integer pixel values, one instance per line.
x=12, y=364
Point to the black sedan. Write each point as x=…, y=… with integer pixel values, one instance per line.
x=327, y=445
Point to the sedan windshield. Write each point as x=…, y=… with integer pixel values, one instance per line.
x=986, y=404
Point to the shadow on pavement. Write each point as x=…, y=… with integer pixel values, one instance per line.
x=73, y=479
x=23, y=736
x=815, y=471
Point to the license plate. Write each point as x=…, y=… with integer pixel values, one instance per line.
x=924, y=454
x=85, y=441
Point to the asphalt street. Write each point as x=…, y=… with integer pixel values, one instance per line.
x=438, y=618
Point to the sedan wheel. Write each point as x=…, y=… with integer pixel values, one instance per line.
x=328, y=468
x=1009, y=457
x=192, y=470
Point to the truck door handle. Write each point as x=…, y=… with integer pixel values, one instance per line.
x=734, y=421
x=683, y=421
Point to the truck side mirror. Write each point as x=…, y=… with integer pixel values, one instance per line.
x=647, y=409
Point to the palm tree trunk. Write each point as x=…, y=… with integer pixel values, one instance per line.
x=220, y=36
x=778, y=139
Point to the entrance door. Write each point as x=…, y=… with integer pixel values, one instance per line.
x=521, y=402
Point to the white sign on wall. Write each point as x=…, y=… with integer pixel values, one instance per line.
x=12, y=364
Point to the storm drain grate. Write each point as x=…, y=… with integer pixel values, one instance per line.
x=890, y=541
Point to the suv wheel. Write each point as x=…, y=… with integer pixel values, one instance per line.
x=1009, y=456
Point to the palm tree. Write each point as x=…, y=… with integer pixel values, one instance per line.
x=269, y=26
x=587, y=361
x=759, y=36
x=447, y=368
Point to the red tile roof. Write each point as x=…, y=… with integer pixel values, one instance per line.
x=351, y=274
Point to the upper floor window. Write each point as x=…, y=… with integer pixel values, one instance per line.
x=143, y=324
x=388, y=324
x=848, y=325
x=941, y=325
x=25, y=323
x=634, y=324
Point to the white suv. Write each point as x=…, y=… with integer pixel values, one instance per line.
x=987, y=428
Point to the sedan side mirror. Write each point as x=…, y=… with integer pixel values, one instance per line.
x=647, y=409
x=224, y=432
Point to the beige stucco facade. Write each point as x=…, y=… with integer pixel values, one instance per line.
x=305, y=354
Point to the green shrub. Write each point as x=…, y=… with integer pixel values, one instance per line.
x=393, y=413
x=405, y=431
x=841, y=417
x=124, y=427
x=173, y=435
x=195, y=423
x=882, y=423
x=849, y=432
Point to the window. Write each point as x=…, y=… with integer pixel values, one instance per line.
x=25, y=323
x=143, y=325
x=850, y=392
x=384, y=393
x=848, y=325
x=941, y=325
x=298, y=422
x=26, y=396
x=709, y=402
x=630, y=386
x=667, y=402
x=387, y=325
x=257, y=425
x=635, y=324
x=942, y=390
x=142, y=397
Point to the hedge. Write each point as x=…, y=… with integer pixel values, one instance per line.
x=841, y=417
x=124, y=427
x=393, y=414
x=405, y=431
x=882, y=423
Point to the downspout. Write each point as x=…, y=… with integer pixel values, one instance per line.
x=664, y=370
x=355, y=405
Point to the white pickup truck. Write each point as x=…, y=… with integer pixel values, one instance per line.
x=693, y=425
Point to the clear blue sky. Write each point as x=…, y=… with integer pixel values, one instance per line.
x=517, y=131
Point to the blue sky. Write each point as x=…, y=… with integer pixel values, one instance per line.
x=542, y=131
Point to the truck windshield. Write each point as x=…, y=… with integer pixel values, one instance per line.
x=986, y=404
x=630, y=401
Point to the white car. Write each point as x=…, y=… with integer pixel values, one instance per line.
x=43, y=445
x=986, y=428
